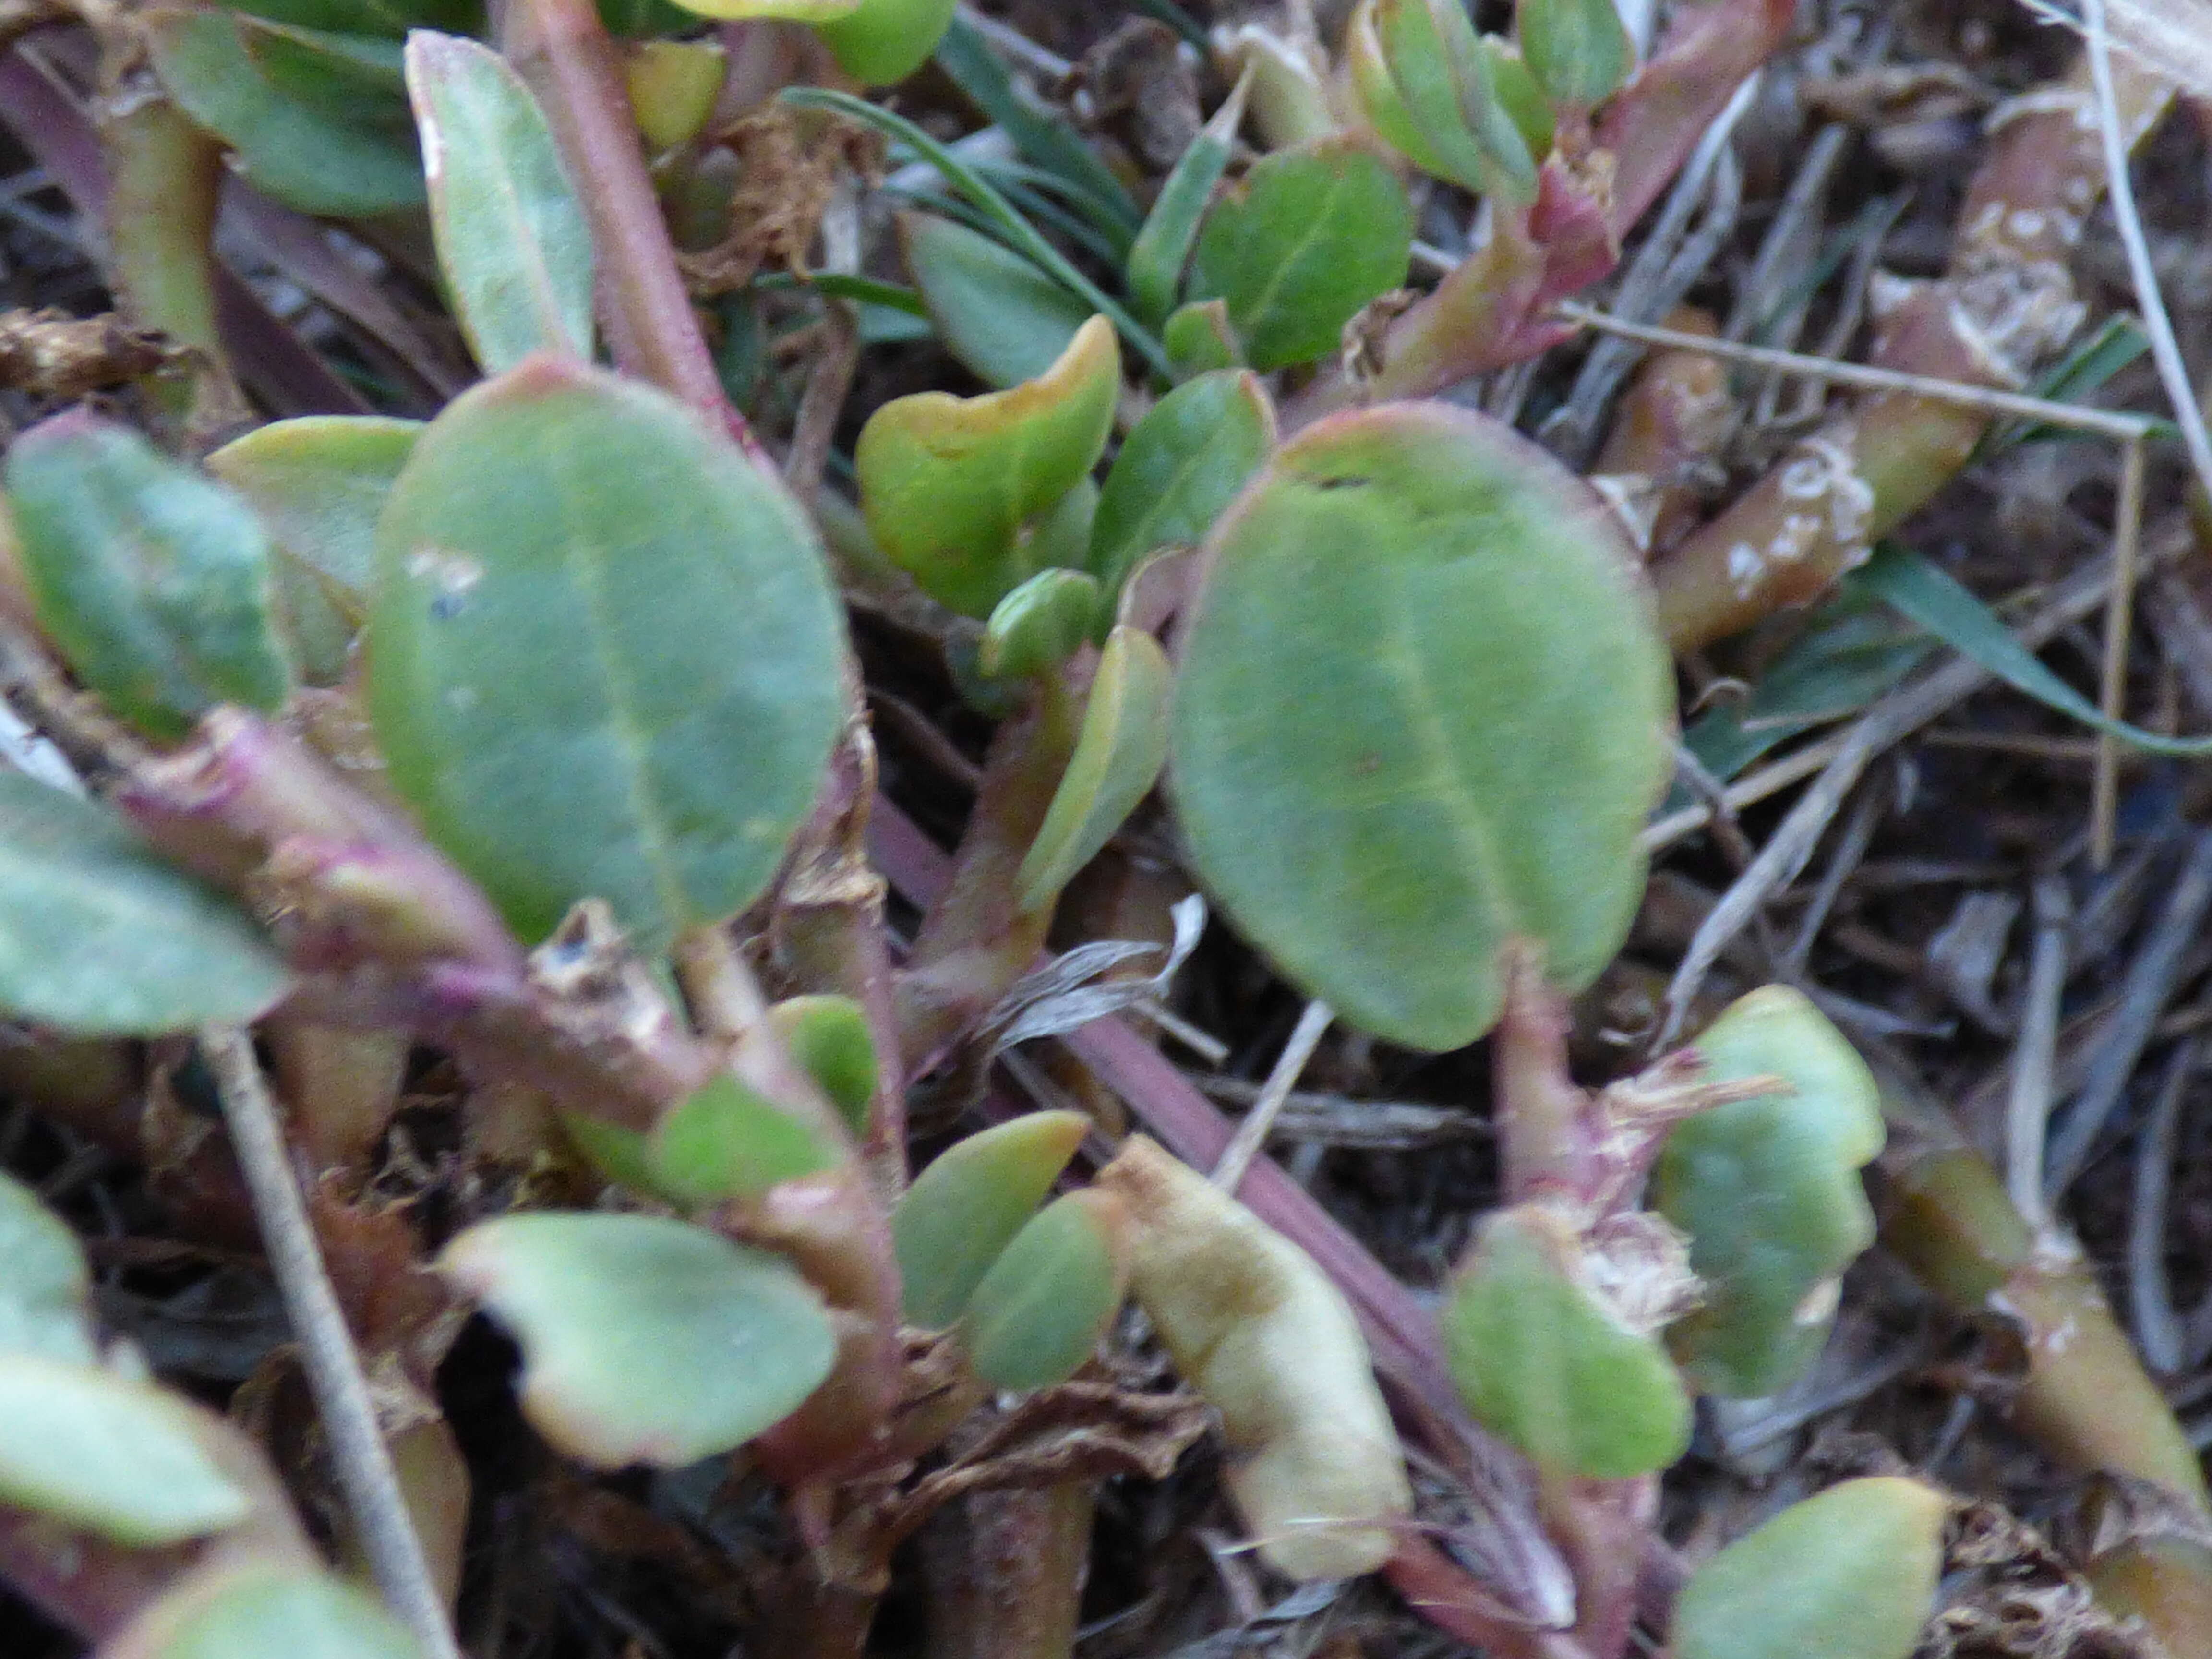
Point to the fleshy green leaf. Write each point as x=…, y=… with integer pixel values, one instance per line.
x=1368, y=65
x=1002, y=317
x=44, y=1291
x=645, y=1340
x=886, y=40
x=673, y=84
x=728, y=1142
x=154, y=581
x=295, y=152
x=348, y=78
x=829, y=1036
x=1179, y=468
x=1542, y=1362
x=1431, y=52
x=1039, y=1312
x=1039, y=625
x=264, y=1611
x=950, y=485
x=1421, y=710
x=318, y=483
x=1118, y=755
x=1198, y=340
x=386, y=17
x=1309, y=236
x=112, y=1456
x=1163, y=246
x=788, y=11
x=1850, y=1574
x=100, y=937
x=966, y=1207
x=1578, y=51
x=604, y=653
x=1768, y=1190
x=512, y=238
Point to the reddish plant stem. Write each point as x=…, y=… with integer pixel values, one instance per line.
x=975, y=940
x=562, y=49
x=2005, y=305
x=1400, y=1332
x=1490, y=311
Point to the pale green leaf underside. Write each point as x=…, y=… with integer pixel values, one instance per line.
x=1768, y=1190
x=512, y=237
x=646, y=1339
x=1849, y=1574
x=98, y=936
x=275, y=1612
x=1421, y=710
x=115, y=1457
x=44, y=1288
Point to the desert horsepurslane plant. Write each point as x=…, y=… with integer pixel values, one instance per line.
x=529, y=732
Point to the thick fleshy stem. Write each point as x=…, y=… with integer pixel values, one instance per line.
x=2086, y=1400
x=1492, y=310
x=976, y=939
x=2004, y=306
x=829, y=1223
x=562, y=49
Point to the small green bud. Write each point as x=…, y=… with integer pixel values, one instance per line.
x=1051, y=1294
x=829, y=1036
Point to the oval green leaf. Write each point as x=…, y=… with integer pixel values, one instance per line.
x=1118, y=755
x=112, y=1456
x=1421, y=711
x=966, y=1207
x=1198, y=339
x=1769, y=1191
x=829, y=1036
x=728, y=1142
x=1578, y=51
x=319, y=484
x=302, y=157
x=1039, y=1312
x=44, y=1293
x=951, y=486
x=511, y=235
x=645, y=1340
x=1309, y=236
x=1850, y=1574
x=1543, y=1364
x=605, y=654
x=154, y=581
x=1040, y=625
x=98, y=935
x=266, y=1612
x=1004, y=319
x=886, y=40
x=1178, y=470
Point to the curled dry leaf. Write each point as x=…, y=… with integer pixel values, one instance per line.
x=1314, y=1466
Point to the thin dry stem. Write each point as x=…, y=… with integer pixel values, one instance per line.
x=1290, y=1065
x=357, y=1447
